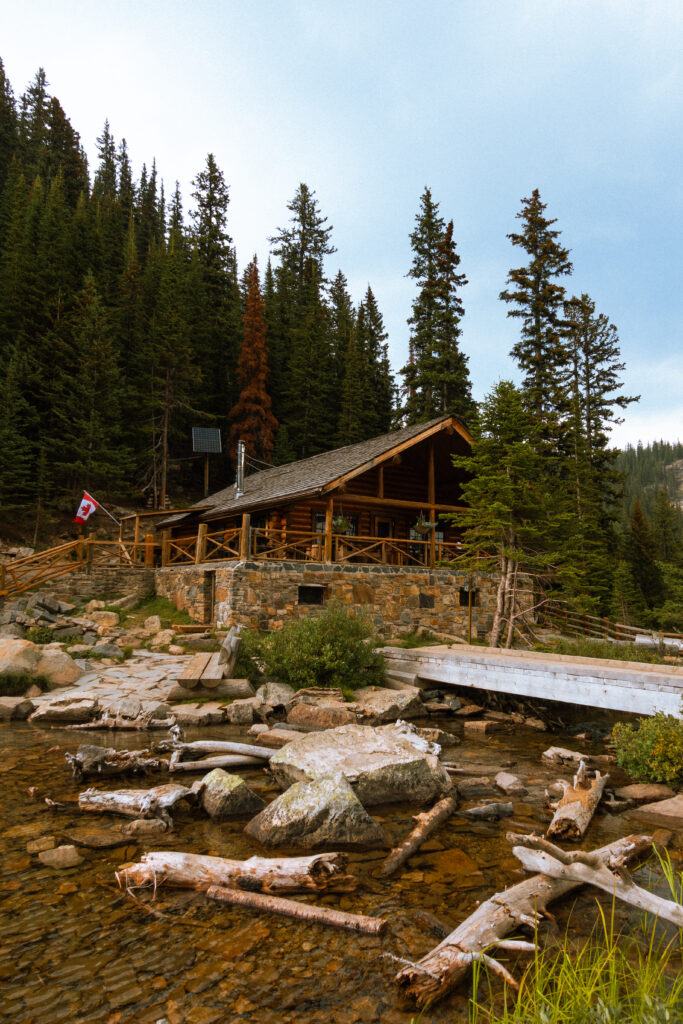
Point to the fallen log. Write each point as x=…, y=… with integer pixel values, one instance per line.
x=426, y=823
x=574, y=811
x=106, y=761
x=448, y=963
x=560, y=757
x=323, y=872
x=136, y=803
x=207, y=764
x=141, y=723
x=299, y=911
x=213, y=747
x=537, y=854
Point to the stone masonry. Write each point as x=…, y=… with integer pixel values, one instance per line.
x=263, y=595
x=102, y=582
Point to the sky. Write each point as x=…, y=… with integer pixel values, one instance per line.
x=369, y=102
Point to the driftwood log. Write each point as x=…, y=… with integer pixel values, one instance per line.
x=537, y=854
x=323, y=872
x=136, y=803
x=560, y=757
x=425, y=824
x=90, y=760
x=574, y=811
x=143, y=721
x=207, y=764
x=188, y=751
x=523, y=904
x=299, y=911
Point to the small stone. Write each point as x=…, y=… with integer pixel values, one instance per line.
x=61, y=857
x=144, y=827
x=152, y=624
x=535, y=723
x=93, y=606
x=275, y=694
x=175, y=649
x=39, y=845
x=257, y=728
x=481, y=728
x=105, y=618
x=488, y=812
x=241, y=712
x=106, y=650
x=644, y=792
x=511, y=785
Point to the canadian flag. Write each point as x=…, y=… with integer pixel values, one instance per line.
x=86, y=508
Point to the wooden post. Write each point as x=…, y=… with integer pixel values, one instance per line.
x=2, y=581
x=136, y=539
x=200, y=550
x=328, y=529
x=431, y=497
x=380, y=482
x=149, y=551
x=206, y=475
x=90, y=543
x=245, y=537
x=165, y=546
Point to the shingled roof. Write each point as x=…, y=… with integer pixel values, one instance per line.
x=312, y=476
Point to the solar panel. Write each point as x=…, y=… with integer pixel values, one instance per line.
x=206, y=439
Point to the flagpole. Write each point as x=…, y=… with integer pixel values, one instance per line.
x=100, y=505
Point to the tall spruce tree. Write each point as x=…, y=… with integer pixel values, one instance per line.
x=436, y=378
x=536, y=298
x=378, y=383
x=641, y=558
x=251, y=418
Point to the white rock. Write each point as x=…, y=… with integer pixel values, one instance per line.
x=105, y=618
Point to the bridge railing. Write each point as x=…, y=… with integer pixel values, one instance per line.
x=598, y=627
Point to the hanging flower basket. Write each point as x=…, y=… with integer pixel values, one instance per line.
x=340, y=524
x=423, y=526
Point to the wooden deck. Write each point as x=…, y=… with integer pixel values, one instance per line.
x=639, y=688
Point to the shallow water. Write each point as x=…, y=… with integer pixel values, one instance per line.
x=74, y=948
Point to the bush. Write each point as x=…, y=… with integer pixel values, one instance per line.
x=330, y=650
x=652, y=749
x=39, y=635
x=13, y=684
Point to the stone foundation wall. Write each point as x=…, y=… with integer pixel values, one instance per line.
x=101, y=582
x=263, y=595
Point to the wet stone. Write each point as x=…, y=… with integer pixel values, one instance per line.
x=61, y=857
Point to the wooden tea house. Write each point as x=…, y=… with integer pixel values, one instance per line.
x=375, y=502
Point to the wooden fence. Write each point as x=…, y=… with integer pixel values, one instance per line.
x=596, y=627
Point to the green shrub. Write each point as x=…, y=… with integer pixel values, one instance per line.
x=329, y=650
x=13, y=684
x=39, y=635
x=652, y=749
x=249, y=664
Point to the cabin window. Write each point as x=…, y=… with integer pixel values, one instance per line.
x=319, y=523
x=464, y=597
x=311, y=594
x=420, y=552
x=426, y=600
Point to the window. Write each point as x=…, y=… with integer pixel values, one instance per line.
x=464, y=597
x=319, y=523
x=311, y=594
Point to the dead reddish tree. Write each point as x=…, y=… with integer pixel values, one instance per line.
x=251, y=418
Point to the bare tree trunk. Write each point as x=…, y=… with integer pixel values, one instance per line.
x=299, y=911
x=500, y=603
x=426, y=824
x=512, y=606
x=439, y=971
x=213, y=747
x=322, y=872
x=574, y=812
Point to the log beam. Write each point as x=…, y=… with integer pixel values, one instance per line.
x=299, y=911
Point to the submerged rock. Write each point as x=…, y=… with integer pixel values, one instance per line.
x=225, y=796
x=318, y=813
x=386, y=764
x=511, y=785
x=488, y=812
x=61, y=857
x=668, y=813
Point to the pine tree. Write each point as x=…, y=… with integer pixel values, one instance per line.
x=513, y=525
x=436, y=375
x=667, y=529
x=251, y=419
x=218, y=307
x=341, y=322
x=627, y=604
x=302, y=247
x=16, y=454
x=309, y=393
x=640, y=555
x=350, y=426
x=9, y=137
x=378, y=389
x=537, y=300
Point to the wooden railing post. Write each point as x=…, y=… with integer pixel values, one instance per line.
x=245, y=537
x=2, y=581
x=327, y=556
x=200, y=550
x=90, y=544
x=149, y=551
x=165, y=546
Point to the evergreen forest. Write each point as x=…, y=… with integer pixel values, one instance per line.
x=126, y=320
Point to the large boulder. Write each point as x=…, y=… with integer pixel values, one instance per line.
x=58, y=667
x=242, y=712
x=379, y=704
x=15, y=708
x=105, y=618
x=667, y=813
x=225, y=796
x=18, y=657
x=384, y=765
x=323, y=812
x=276, y=694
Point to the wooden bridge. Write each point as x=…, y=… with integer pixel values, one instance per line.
x=639, y=688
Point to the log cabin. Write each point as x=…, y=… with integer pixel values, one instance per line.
x=378, y=502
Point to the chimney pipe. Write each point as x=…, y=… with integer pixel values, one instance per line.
x=239, y=483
